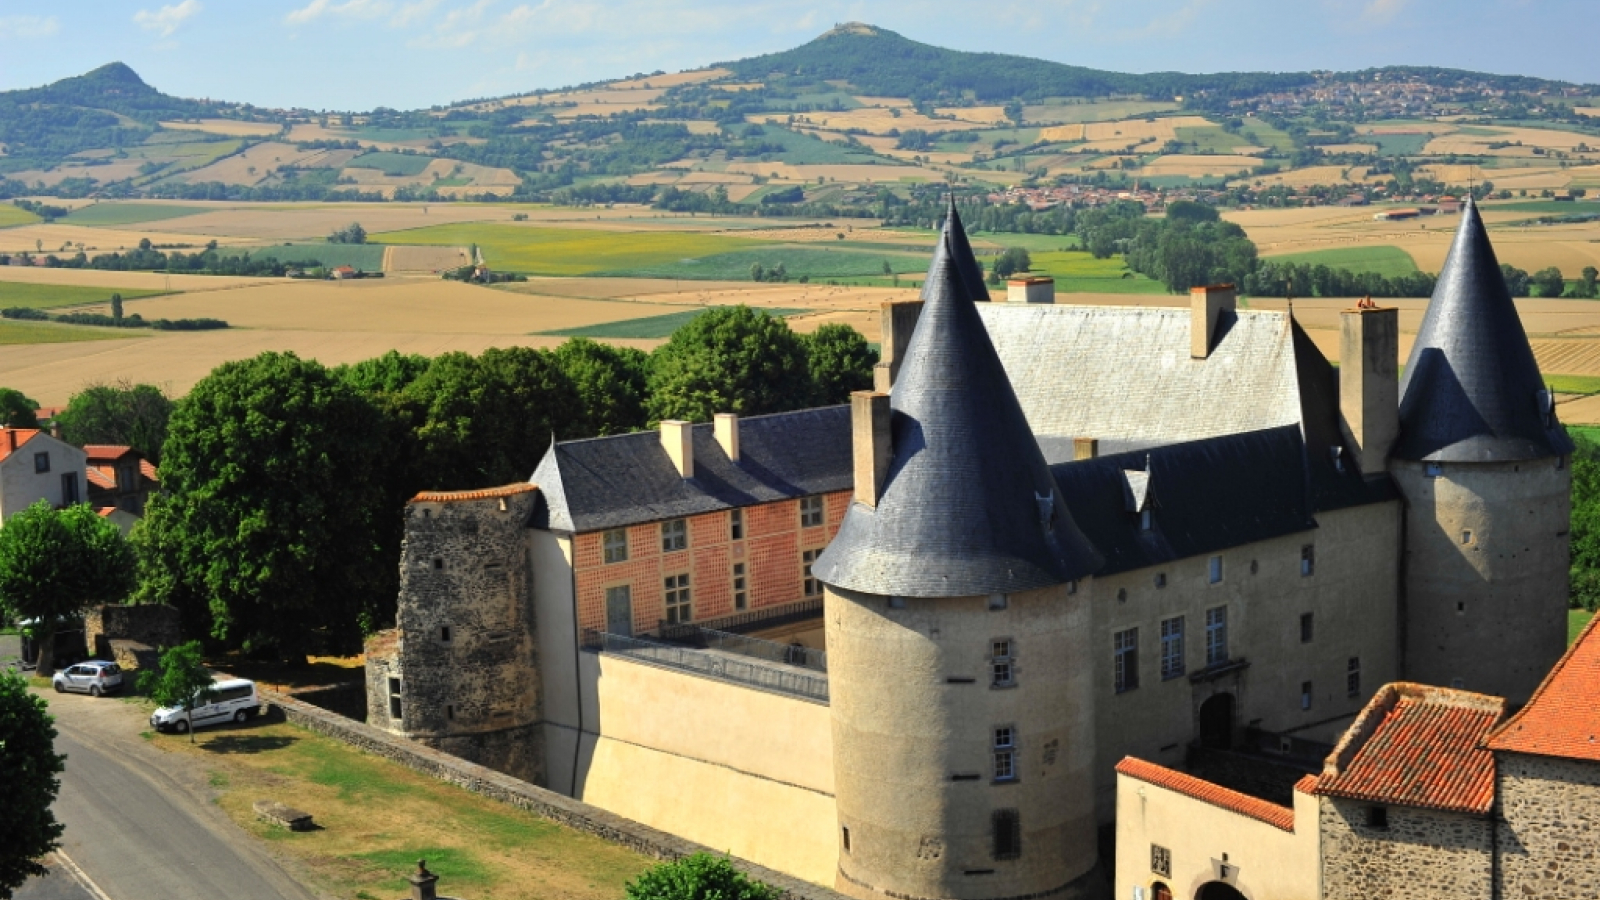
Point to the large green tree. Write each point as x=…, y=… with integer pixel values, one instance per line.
x=728, y=359
x=134, y=415
x=610, y=383
x=389, y=373
x=840, y=361
x=16, y=410
x=54, y=563
x=29, y=765
x=265, y=529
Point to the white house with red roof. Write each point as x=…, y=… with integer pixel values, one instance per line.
x=119, y=477
x=35, y=466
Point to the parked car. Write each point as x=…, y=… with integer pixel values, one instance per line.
x=94, y=678
x=233, y=700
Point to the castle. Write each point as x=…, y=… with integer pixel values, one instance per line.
x=900, y=646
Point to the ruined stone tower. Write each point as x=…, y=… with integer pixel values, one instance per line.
x=1482, y=463
x=958, y=631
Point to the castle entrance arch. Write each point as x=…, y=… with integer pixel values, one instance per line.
x=1159, y=891
x=1218, y=890
x=1216, y=722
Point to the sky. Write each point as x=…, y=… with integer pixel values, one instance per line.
x=355, y=55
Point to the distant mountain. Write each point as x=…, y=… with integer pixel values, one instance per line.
x=115, y=88
x=882, y=63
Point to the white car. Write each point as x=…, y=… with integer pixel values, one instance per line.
x=234, y=700
x=94, y=678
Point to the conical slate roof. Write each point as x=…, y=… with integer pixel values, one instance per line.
x=970, y=507
x=958, y=248
x=1472, y=390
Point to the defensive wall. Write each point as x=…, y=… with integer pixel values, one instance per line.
x=1550, y=819
x=1436, y=853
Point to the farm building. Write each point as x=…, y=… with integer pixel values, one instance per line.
x=900, y=646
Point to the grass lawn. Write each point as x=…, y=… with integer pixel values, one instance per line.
x=49, y=296
x=818, y=263
x=1576, y=619
x=13, y=331
x=1587, y=432
x=1076, y=271
x=561, y=251
x=128, y=213
x=1029, y=242
x=648, y=326
x=367, y=257
x=11, y=214
x=1575, y=384
x=1389, y=262
x=376, y=819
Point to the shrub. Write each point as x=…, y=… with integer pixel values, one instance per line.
x=698, y=877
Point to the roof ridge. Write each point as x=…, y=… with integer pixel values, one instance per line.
x=1281, y=817
x=1495, y=737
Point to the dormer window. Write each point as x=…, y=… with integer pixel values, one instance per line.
x=1144, y=520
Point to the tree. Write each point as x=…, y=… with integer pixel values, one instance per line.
x=1013, y=111
x=840, y=361
x=350, y=234
x=116, y=307
x=728, y=359
x=1012, y=261
x=610, y=383
x=265, y=527
x=54, y=563
x=181, y=680
x=16, y=410
x=134, y=415
x=389, y=373
x=1587, y=286
x=698, y=877
x=29, y=765
x=1548, y=282
x=1517, y=281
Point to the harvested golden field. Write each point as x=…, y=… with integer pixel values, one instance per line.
x=117, y=170
x=981, y=115
x=1531, y=178
x=842, y=172
x=424, y=259
x=54, y=237
x=1522, y=141
x=253, y=165
x=229, y=127
x=148, y=281
x=874, y=120
x=1093, y=111
x=319, y=133
x=1349, y=148
x=1312, y=175
x=1199, y=165
x=1125, y=131
x=315, y=222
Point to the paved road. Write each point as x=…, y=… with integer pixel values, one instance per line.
x=139, y=824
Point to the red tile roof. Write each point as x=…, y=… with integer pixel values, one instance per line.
x=1206, y=792
x=106, y=451
x=1563, y=717
x=100, y=478
x=13, y=439
x=1416, y=745
x=509, y=490
x=104, y=511
x=148, y=470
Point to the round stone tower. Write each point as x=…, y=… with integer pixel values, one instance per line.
x=958, y=631
x=1482, y=463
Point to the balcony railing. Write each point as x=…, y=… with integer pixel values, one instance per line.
x=749, y=620
x=755, y=672
x=771, y=651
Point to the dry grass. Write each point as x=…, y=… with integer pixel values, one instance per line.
x=254, y=165
x=314, y=222
x=228, y=127
x=1477, y=144
x=54, y=235
x=146, y=281
x=874, y=120
x=855, y=174
x=424, y=259
x=1199, y=165
x=1125, y=132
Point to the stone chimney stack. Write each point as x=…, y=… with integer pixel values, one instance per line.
x=1369, y=385
x=1206, y=305
x=677, y=438
x=1085, y=448
x=871, y=443
x=726, y=426
x=896, y=322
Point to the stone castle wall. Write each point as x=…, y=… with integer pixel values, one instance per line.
x=1422, y=853
x=1549, y=838
x=155, y=625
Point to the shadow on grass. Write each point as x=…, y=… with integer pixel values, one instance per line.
x=247, y=743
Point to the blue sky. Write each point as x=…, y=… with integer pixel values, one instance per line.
x=358, y=54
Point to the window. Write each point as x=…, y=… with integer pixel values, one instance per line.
x=846, y=831
x=1125, y=648
x=615, y=543
x=41, y=463
x=1144, y=519
x=741, y=598
x=1433, y=470
x=394, y=697
x=1215, y=573
x=1352, y=677
x=1002, y=662
x=69, y=488
x=810, y=586
x=1378, y=817
x=1305, y=695
x=1161, y=579
x=736, y=527
x=1161, y=860
x=679, y=608
x=1307, y=628
x=897, y=603
x=1171, y=648
x=997, y=601
x=810, y=512
x=674, y=535
x=1216, y=636
x=1005, y=753
x=438, y=562
x=1007, y=834
x=444, y=634
x=1308, y=560
x=1466, y=537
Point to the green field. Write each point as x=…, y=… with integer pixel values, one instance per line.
x=817, y=264
x=128, y=213
x=1101, y=111
x=50, y=296
x=1389, y=262
x=13, y=331
x=1576, y=619
x=561, y=251
x=1077, y=272
x=1574, y=384
x=10, y=215
x=391, y=163
x=1589, y=433
x=1394, y=144
x=1213, y=139
x=366, y=257
x=1546, y=207
x=803, y=149
x=648, y=326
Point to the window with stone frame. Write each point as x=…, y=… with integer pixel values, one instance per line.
x=1308, y=560
x=1003, y=663
x=1007, y=833
x=1308, y=624
x=736, y=525
x=1161, y=860
x=1171, y=648
x=680, y=608
x=1216, y=636
x=614, y=545
x=674, y=535
x=811, y=512
x=741, y=594
x=809, y=585
x=1125, y=652
x=1005, y=753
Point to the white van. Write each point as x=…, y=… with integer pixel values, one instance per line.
x=233, y=700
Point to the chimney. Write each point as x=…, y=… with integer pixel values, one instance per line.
x=12, y=434
x=677, y=438
x=1369, y=385
x=1031, y=289
x=1205, y=308
x=55, y=430
x=726, y=426
x=869, y=439
x=1085, y=448
x=896, y=322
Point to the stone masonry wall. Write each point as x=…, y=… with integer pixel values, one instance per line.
x=1422, y=854
x=1549, y=839
x=154, y=625
x=506, y=789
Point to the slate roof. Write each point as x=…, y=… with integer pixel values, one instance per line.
x=1562, y=719
x=970, y=273
x=628, y=479
x=969, y=506
x=1471, y=389
x=1416, y=745
x=1262, y=811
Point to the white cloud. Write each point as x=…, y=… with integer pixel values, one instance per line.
x=413, y=12
x=28, y=26
x=350, y=9
x=167, y=19
x=1382, y=10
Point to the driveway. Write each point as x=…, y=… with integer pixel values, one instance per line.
x=140, y=824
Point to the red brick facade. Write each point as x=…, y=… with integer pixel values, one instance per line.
x=770, y=550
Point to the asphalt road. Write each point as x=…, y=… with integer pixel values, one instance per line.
x=139, y=821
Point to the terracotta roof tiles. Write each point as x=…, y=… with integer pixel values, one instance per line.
x=106, y=451
x=509, y=490
x=13, y=438
x=1271, y=813
x=1562, y=719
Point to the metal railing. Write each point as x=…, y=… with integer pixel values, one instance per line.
x=788, y=654
x=757, y=674
x=749, y=620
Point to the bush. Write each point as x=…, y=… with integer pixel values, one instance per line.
x=698, y=877
x=23, y=312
